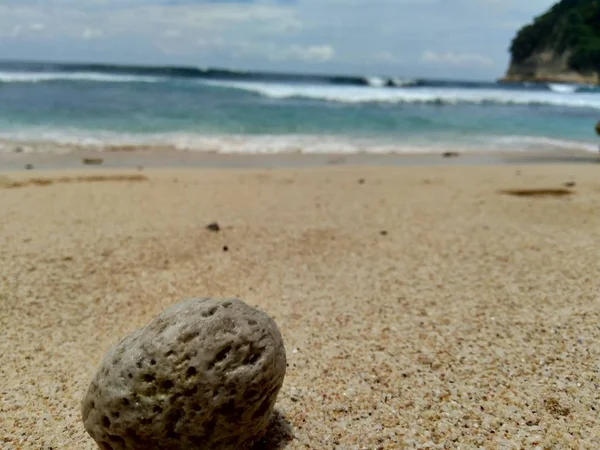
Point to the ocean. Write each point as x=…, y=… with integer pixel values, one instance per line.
x=61, y=108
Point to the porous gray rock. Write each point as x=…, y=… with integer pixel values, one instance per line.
x=204, y=374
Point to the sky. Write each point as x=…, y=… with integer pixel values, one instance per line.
x=467, y=39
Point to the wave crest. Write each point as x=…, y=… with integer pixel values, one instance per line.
x=428, y=95
x=37, y=77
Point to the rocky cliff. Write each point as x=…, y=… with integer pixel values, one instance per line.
x=547, y=66
x=562, y=45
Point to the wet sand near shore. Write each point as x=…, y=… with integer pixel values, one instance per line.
x=169, y=158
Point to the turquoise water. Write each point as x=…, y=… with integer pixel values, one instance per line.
x=246, y=114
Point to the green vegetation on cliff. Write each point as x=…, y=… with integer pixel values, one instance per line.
x=569, y=26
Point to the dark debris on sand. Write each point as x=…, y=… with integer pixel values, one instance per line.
x=214, y=227
x=450, y=154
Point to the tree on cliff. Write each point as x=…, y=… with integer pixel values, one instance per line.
x=571, y=26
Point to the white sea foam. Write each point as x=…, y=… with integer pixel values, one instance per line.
x=563, y=88
x=37, y=77
x=433, y=95
x=38, y=140
x=529, y=143
x=45, y=140
x=376, y=81
x=400, y=82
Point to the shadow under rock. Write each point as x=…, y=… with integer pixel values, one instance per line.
x=278, y=436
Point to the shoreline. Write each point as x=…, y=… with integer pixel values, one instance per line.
x=138, y=160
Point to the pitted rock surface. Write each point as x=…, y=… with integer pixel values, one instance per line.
x=204, y=374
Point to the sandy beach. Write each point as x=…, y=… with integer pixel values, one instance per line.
x=421, y=307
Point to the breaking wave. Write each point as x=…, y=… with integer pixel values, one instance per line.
x=419, y=94
x=37, y=77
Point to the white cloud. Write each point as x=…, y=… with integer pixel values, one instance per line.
x=215, y=43
x=266, y=50
x=91, y=33
x=278, y=52
x=172, y=33
x=386, y=57
x=320, y=53
x=456, y=59
x=212, y=17
x=16, y=30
